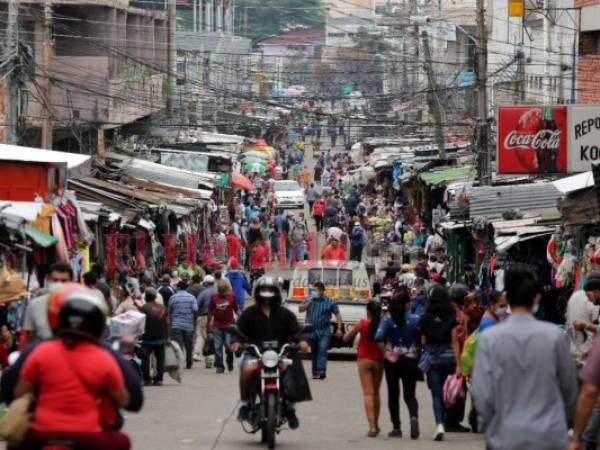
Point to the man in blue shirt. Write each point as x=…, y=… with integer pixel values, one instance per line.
x=201, y=334
x=183, y=307
x=319, y=310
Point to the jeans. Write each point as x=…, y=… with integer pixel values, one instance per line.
x=318, y=222
x=157, y=348
x=222, y=338
x=436, y=377
x=404, y=369
x=185, y=339
x=318, y=347
x=356, y=252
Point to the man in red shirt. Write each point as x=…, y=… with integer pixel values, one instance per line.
x=221, y=311
x=317, y=212
x=334, y=251
x=233, y=244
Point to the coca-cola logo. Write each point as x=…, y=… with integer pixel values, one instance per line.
x=542, y=140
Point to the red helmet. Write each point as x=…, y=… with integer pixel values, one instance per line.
x=56, y=299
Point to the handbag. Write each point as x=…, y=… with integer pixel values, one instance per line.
x=15, y=423
x=209, y=346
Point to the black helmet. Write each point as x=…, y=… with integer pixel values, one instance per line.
x=83, y=314
x=458, y=292
x=267, y=290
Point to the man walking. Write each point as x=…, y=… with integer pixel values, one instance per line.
x=319, y=310
x=221, y=311
x=154, y=338
x=239, y=282
x=202, y=322
x=183, y=307
x=524, y=381
x=311, y=196
x=358, y=239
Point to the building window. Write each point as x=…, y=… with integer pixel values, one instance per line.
x=589, y=43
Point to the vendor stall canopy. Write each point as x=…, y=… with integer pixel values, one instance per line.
x=38, y=155
x=438, y=177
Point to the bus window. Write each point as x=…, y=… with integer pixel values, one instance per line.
x=330, y=277
x=345, y=277
x=314, y=275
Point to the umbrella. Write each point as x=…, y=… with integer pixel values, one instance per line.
x=255, y=167
x=255, y=155
x=240, y=181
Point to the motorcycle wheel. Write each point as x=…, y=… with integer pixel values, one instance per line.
x=270, y=426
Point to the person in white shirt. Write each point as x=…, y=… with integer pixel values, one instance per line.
x=582, y=312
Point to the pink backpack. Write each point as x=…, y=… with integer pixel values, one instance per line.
x=453, y=387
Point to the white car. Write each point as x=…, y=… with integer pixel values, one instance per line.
x=289, y=194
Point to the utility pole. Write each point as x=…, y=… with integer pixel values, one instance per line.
x=10, y=86
x=47, y=46
x=414, y=10
x=547, y=44
x=171, y=55
x=435, y=108
x=484, y=161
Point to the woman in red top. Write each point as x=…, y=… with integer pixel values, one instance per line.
x=370, y=363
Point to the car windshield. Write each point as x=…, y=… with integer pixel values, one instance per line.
x=288, y=186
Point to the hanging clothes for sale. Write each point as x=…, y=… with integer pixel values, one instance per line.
x=62, y=251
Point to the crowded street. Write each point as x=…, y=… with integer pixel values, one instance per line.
x=281, y=224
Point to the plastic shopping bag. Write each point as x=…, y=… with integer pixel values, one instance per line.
x=467, y=359
x=209, y=346
x=295, y=385
x=174, y=361
x=453, y=388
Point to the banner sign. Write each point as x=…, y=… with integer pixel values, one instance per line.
x=584, y=137
x=529, y=142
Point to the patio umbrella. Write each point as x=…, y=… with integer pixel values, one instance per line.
x=255, y=167
x=241, y=182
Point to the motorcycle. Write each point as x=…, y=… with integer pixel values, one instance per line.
x=268, y=407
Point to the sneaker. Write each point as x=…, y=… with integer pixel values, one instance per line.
x=243, y=413
x=208, y=365
x=414, y=428
x=197, y=358
x=158, y=383
x=395, y=433
x=322, y=376
x=316, y=376
x=230, y=367
x=458, y=428
x=220, y=371
x=439, y=433
x=292, y=419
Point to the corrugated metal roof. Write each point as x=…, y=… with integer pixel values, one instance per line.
x=38, y=155
x=493, y=201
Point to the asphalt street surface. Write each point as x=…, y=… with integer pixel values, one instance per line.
x=201, y=413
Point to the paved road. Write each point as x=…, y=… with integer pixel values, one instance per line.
x=200, y=414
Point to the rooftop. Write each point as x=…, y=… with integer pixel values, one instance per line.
x=300, y=36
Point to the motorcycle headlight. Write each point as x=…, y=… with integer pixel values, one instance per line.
x=270, y=359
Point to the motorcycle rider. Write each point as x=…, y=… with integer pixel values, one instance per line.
x=75, y=381
x=267, y=320
x=56, y=299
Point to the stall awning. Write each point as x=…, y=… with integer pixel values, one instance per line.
x=436, y=177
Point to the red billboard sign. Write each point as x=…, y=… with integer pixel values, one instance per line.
x=529, y=142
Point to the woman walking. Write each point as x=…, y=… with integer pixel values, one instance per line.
x=442, y=350
x=398, y=337
x=370, y=365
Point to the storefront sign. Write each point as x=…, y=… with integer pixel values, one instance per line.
x=584, y=137
x=528, y=142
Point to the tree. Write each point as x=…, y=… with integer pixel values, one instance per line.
x=368, y=40
x=273, y=17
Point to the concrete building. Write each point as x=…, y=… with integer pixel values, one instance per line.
x=516, y=54
x=206, y=16
x=108, y=60
x=588, y=62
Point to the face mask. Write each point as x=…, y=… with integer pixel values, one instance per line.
x=536, y=308
x=501, y=312
x=52, y=285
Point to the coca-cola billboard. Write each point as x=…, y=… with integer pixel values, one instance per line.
x=530, y=141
